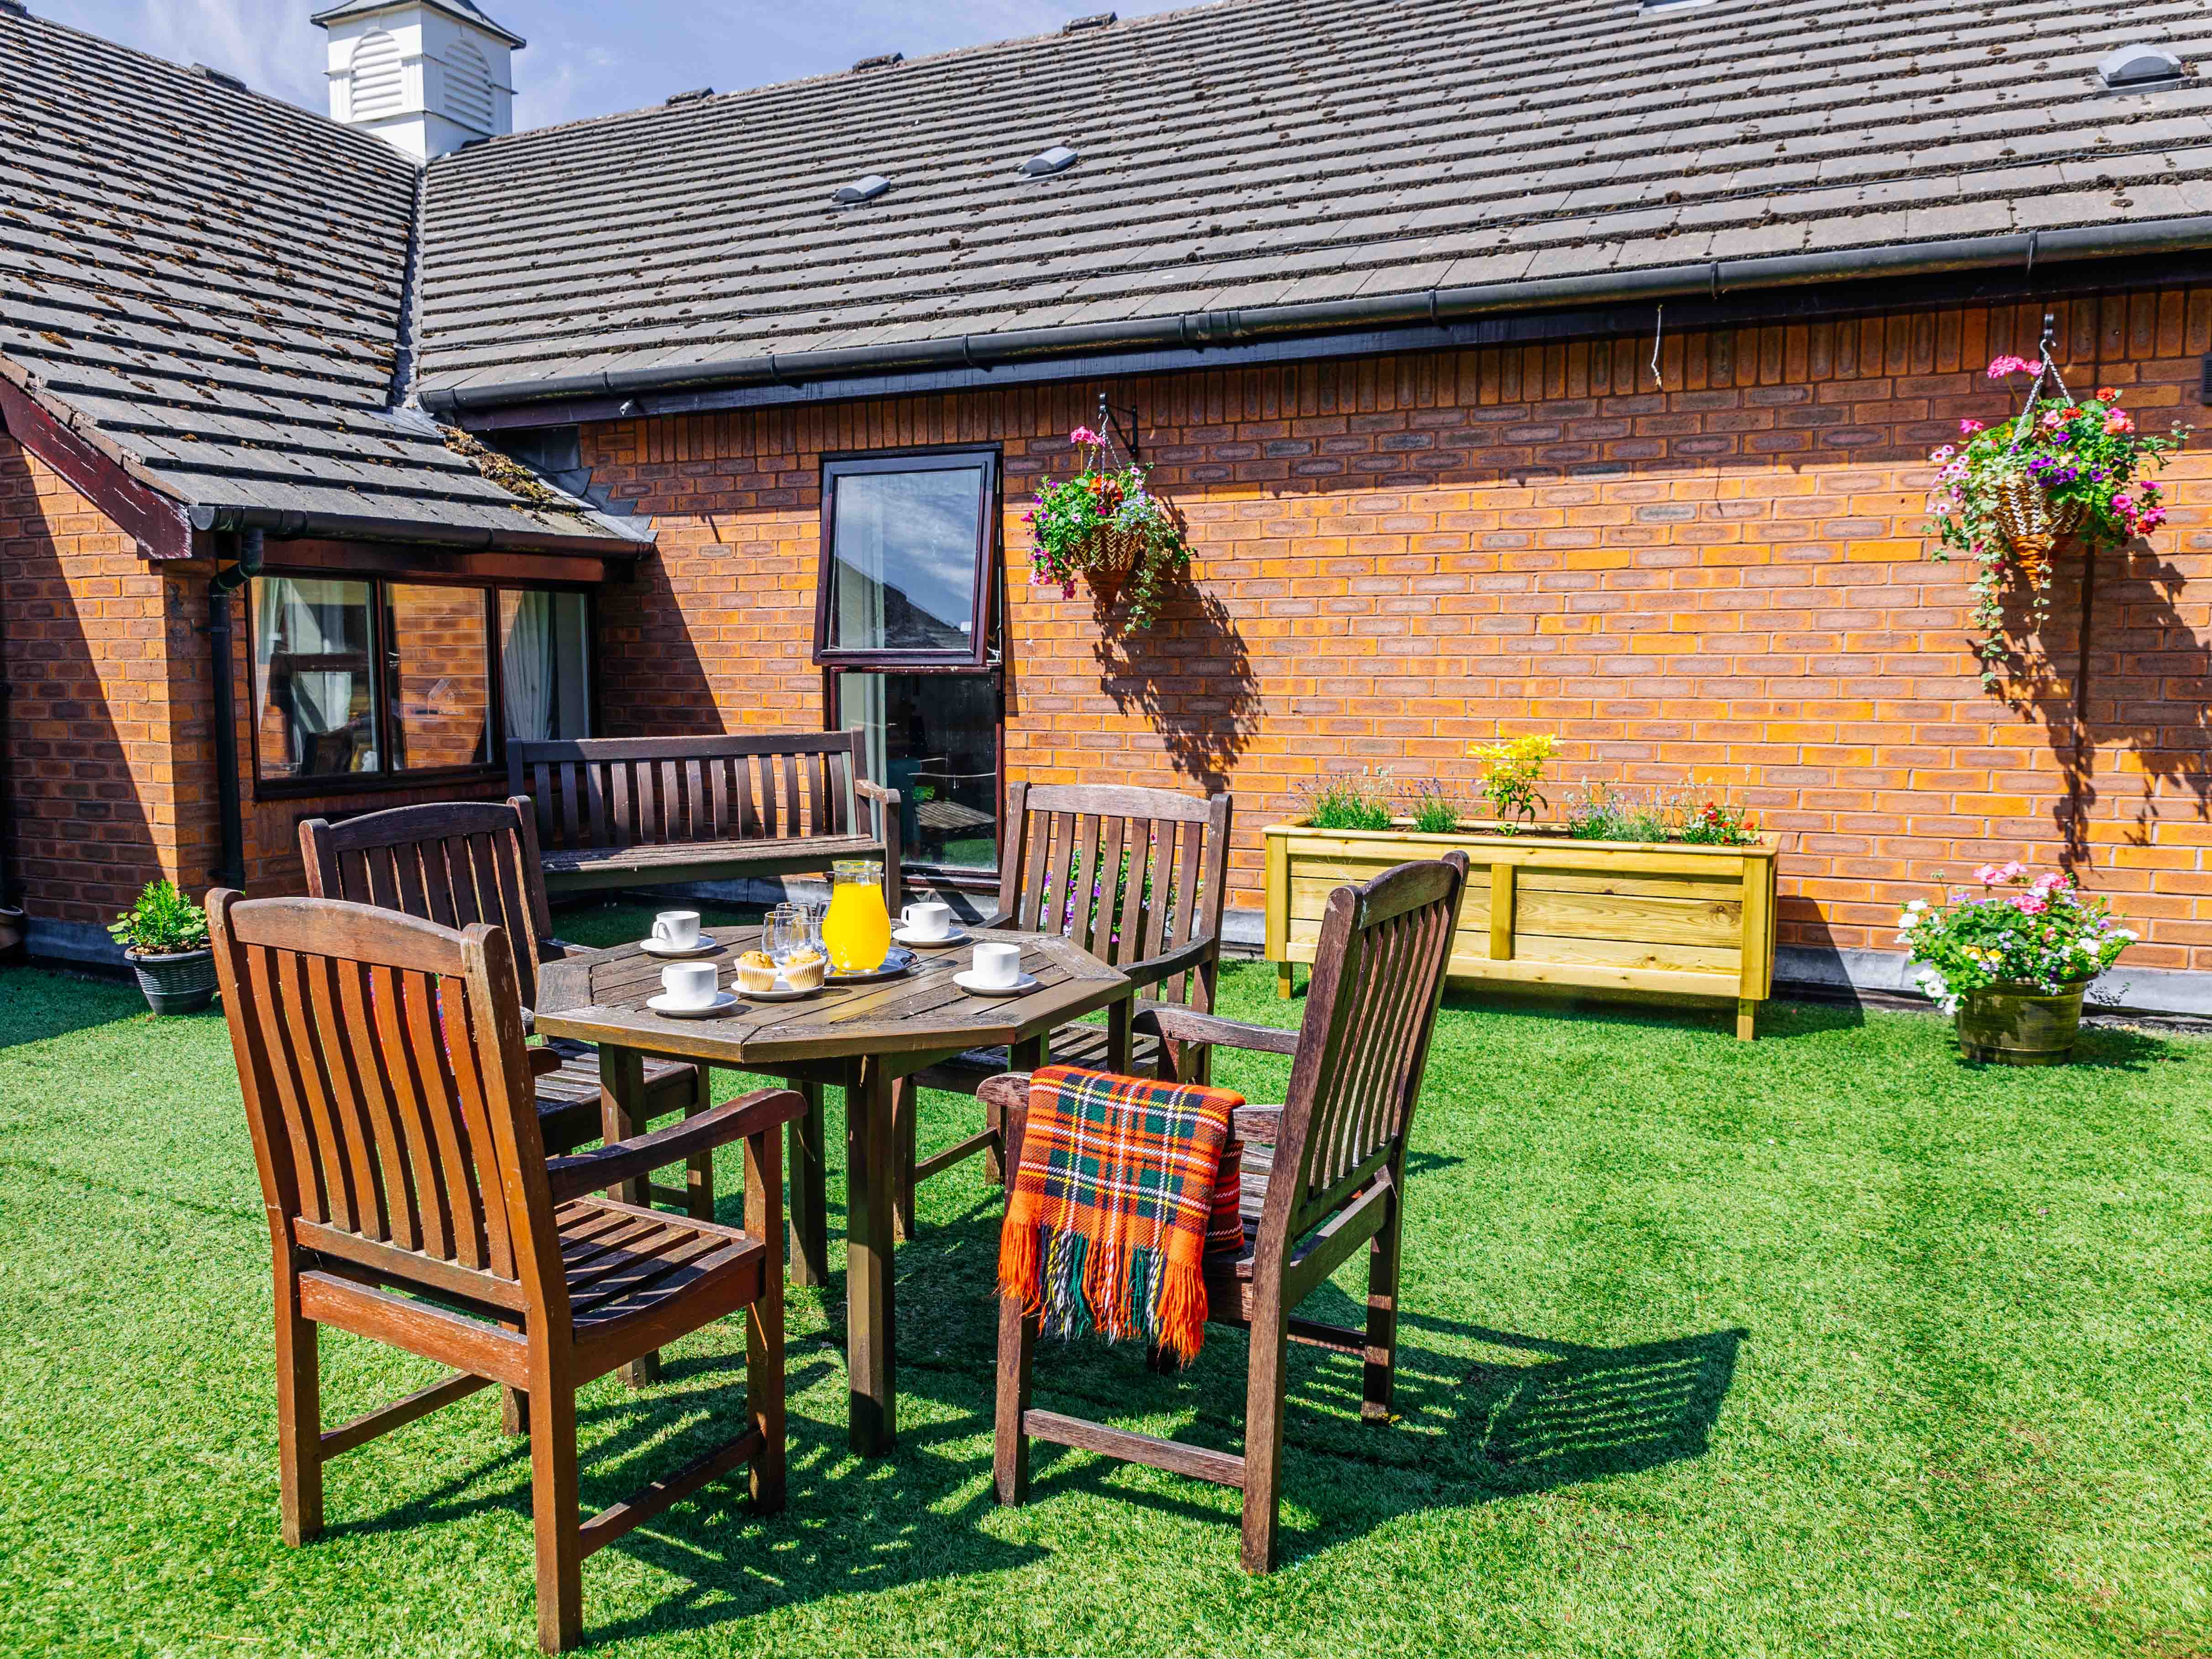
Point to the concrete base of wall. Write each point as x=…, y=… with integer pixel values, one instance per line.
x=78, y=944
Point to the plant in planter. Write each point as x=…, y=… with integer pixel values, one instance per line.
x=165, y=938
x=1513, y=769
x=2005, y=494
x=1349, y=802
x=2010, y=962
x=1432, y=808
x=1105, y=526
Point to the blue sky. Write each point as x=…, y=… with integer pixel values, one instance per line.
x=586, y=57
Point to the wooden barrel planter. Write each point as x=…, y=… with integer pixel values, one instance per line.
x=2020, y=1024
x=1542, y=909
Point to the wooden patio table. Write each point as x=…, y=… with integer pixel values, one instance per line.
x=863, y=1038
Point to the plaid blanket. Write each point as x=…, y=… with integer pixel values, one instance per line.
x=1125, y=1186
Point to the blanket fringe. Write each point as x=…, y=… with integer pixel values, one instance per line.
x=1072, y=1288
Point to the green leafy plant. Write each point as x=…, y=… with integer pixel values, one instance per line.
x=1512, y=770
x=2063, y=467
x=163, y=923
x=1716, y=824
x=1434, y=810
x=1598, y=811
x=1105, y=523
x=1348, y=801
x=2017, y=930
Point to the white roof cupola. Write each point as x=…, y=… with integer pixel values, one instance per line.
x=426, y=75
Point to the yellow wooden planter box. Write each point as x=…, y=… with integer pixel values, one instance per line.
x=1545, y=910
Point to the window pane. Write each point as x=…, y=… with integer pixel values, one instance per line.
x=312, y=679
x=904, y=571
x=544, y=665
x=438, y=676
x=933, y=737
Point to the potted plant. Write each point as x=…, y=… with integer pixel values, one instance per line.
x=1671, y=895
x=2005, y=494
x=165, y=938
x=2010, y=962
x=1105, y=526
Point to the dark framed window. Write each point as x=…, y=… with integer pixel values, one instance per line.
x=369, y=682
x=909, y=550
x=906, y=629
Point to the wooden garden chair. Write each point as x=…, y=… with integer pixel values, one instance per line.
x=410, y=1200
x=1324, y=1173
x=458, y=862
x=1159, y=862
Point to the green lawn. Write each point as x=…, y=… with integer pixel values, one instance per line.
x=1827, y=1344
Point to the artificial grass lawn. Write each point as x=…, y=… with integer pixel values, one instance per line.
x=1827, y=1344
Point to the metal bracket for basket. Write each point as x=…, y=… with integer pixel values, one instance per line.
x=1109, y=422
x=2048, y=370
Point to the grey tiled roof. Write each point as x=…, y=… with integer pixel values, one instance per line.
x=208, y=285
x=1266, y=153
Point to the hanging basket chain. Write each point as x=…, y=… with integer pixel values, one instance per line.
x=2030, y=522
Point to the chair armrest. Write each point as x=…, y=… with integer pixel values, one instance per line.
x=758, y=1113
x=1183, y=1025
x=1263, y=1124
x=543, y=1062
x=1180, y=960
x=875, y=791
x=556, y=950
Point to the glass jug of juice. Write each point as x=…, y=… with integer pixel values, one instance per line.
x=857, y=931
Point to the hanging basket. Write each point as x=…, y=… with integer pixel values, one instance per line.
x=2033, y=523
x=1112, y=554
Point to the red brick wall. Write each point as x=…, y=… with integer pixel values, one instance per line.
x=1721, y=584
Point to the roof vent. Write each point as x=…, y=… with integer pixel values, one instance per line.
x=1648, y=8
x=15, y=8
x=862, y=190
x=2140, y=64
x=1046, y=162
x=220, y=78
x=690, y=97
x=1098, y=20
x=881, y=60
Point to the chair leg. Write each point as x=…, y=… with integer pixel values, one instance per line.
x=764, y=1381
x=1009, y=1458
x=699, y=1168
x=1379, y=1377
x=1263, y=1436
x=906, y=1106
x=299, y=1419
x=553, y=1505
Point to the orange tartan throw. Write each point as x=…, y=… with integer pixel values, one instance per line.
x=1125, y=1185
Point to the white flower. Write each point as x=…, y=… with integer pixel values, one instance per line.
x=1916, y=904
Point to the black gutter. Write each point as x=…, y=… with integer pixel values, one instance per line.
x=230, y=811
x=291, y=526
x=1200, y=329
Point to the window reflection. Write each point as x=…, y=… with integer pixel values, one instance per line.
x=907, y=560
x=933, y=737
x=544, y=665
x=438, y=676
x=313, y=686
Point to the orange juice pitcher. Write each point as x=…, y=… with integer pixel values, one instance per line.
x=857, y=931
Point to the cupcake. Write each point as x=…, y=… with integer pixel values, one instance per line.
x=803, y=970
x=755, y=971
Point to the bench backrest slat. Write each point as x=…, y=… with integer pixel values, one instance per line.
x=632, y=792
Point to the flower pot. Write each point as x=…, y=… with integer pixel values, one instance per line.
x=2020, y=1025
x=2033, y=523
x=1113, y=555
x=182, y=982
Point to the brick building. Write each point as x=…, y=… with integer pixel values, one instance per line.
x=1497, y=398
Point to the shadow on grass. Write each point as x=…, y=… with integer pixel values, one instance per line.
x=2106, y=1047
x=1651, y=1011
x=39, y=1003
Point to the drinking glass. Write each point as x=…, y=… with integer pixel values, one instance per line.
x=786, y=933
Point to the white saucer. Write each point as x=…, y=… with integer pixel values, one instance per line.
x=959, y=936
x=654, y=947
x=723, y=1002
x=966, y=980
x=782, y=992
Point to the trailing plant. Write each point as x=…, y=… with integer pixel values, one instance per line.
x=1105, y=525
x=1716, y=824
x=2016, y=930
x=2004, y=493
x=1431, y=807
x=163, y=923
x=1513, y=769
x=1598, y=811
x=1346, y=801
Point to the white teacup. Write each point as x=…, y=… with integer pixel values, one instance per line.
x=929, y=919
x=678, y=929
x=998, y=963
x=690, y=984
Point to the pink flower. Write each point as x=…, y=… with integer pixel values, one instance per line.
x=2032, y=904
x=1988, y=875
x=2001, y=367
x=1967, y=429
x=2053, y=881
x=2119, y=421
x=1083, y=434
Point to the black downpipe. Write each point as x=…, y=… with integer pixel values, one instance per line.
x=228, y=579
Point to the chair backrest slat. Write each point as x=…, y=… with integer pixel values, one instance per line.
x=381, y=1059
x=451, y=862
x=1126, y=874
x=1379, y=967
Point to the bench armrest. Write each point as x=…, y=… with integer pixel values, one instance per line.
x=875, y=791
x=1211, y=1030
x=761, y=1112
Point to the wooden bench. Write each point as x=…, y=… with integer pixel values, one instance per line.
x=630, y=812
